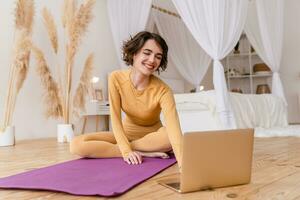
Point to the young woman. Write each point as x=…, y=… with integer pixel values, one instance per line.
x=141, y=96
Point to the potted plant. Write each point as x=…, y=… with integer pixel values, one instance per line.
x=24, y=14
x=60, y=102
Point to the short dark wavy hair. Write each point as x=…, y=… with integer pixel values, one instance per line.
x=133, y=45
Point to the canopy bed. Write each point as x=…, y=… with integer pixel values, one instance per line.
x=205, y=31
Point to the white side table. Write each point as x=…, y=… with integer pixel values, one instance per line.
x=96, y=109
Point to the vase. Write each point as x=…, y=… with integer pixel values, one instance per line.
x=263, y=89
x=7, y=137
x=65, y=133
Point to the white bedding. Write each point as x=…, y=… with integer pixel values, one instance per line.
x=250, y=110
x=264, y=110
x=195, y=101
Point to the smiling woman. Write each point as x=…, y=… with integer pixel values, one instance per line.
x=143, y=42
x=148, y=58
x=142, y=97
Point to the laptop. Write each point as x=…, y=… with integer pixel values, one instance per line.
x=213, y=159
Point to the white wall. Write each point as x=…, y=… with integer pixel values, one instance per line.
x=290, y=65
x=28, y=117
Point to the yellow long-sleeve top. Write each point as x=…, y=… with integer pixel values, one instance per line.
x=142, y=109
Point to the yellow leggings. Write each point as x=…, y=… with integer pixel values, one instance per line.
x=104, y=145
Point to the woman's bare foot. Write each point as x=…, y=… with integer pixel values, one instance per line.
x=154, y=154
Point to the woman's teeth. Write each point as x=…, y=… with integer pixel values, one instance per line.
x=149, y=66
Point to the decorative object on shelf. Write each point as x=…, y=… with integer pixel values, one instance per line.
x=197, y=89
x=261, y=68
x=232, y=72
x=94, y=81
x=193, y=90
x=24, y=14
x=96, y=90
x=236, y=48
x=248, y=75
x=99, y=94
x=263, y=89
x=201, y=88
x=237, y=90
x=58, y=95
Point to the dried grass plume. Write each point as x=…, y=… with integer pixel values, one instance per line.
x=24, y=15
x=75, y=22
x=51, y=96
x=22, y=49
x=78, y=26
x=51, y=29
x=84, y=84
x=69, y=9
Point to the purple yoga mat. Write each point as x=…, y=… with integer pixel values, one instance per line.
x=105, y=177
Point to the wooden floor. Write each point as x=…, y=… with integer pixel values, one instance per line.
x=275, y=174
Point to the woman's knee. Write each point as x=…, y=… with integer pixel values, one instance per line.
x=165, y=146
x=77, y=146
x=164, y=140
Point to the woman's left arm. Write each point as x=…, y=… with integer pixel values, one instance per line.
x=172, y=123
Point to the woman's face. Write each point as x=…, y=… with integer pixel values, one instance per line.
x=148, y=58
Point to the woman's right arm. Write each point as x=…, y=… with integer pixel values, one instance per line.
x=115, y=113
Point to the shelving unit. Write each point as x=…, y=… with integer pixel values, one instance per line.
x=244, y=79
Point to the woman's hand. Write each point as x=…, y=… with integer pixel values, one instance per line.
x=134, y=158
x=162, y=155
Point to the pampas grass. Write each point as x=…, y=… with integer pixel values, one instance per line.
x=75, y=22
x=77, y=27
x=69, y=9
x=52, y=97
x=21, y=65
x=20, y=14
x=24, y=14
x=83, y=86
x=51, y=29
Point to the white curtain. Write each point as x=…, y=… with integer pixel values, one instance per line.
x=189, y=58
x=127, y=17
x=216, y=25
x=264, y=29
x=151, y=27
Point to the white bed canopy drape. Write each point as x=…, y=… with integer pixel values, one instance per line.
x=264, y=29
x=216, y=25
x=189, y=58
x=127, y=17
